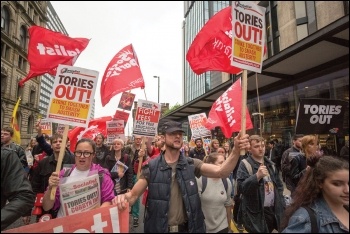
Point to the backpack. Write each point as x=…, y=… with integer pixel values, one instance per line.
x=205, y=180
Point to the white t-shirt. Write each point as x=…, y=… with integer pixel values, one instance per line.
x=74, y=176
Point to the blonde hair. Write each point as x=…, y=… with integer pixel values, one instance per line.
x=118, y=140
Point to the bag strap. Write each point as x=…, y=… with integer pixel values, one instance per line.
x=314, y=228
x=248, y=166
x=204, y=183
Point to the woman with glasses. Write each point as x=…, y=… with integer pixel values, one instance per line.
x=85, y=150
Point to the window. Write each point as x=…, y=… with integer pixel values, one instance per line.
x=5, y=20
x=19, y=91
x=30, y=125
x=301, y=19
x=22, y=63
x=3, y=83
x=23, y=37
x=272, y=32
x=5, y=51
x=32, y=97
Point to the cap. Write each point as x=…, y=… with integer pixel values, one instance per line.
x=171, y=126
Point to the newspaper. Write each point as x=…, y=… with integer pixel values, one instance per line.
x=119, y=167
x=80, y=195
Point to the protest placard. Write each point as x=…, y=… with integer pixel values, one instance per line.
x=146, y=118
x=102, y=220
x=121, y=115
x=115, y=130
x=248, y=35
x=72, y=96
x=197, y=125
x=46, y=127
x=320, y=116
x=60, y=128
x=126, y=101
x=80, y=194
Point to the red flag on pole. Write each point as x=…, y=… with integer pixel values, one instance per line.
x=212, y=47
x=47, y=49
x=95, y=127
x=226, y=111
x=122, y=73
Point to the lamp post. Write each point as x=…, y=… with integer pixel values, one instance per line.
x=157, y=77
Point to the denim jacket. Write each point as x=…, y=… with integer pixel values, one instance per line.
x=327, y=222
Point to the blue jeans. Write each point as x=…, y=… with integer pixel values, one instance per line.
x=135, y=209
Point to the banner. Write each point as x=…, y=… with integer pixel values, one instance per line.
x=197, y=125
x=115, y=130
x=320, y=116
x=211, y=49
x=47, y=49
x=248, y=35
x=102, y=220
x=46, y=127
x=226, y=111
x=72, y=96
x=121, y=115
x=13, y=124
x=146, y=118
x=122, y=73
x=126, y=101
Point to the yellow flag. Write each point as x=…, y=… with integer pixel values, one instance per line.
x=16, y=133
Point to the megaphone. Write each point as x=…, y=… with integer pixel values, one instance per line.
x=38, y=210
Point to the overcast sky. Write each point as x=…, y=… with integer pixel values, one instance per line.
x=154, y=29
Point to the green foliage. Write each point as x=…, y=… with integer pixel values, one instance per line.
x=177, y=105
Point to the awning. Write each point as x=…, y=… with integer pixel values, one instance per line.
x=322, y=52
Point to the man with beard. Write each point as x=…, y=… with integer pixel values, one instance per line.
x=198, y=151
x=173, y=203
x=102, y=151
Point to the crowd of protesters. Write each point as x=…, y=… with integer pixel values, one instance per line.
x=246, y=189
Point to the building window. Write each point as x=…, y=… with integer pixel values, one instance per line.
x=272, y=32
x=23, y=37
x=19, y=91
x=5, y=20
x=19, y=120
x=32, y=97
x=301, y=19
x=3, y=84
x=5, y=51
x=22, y=63
x=30, y=125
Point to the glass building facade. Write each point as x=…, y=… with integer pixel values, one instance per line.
x=197, y=13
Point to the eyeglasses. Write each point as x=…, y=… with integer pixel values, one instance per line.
x=85, y=154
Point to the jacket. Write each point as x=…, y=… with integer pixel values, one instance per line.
x=197, y=153
x=101, y=154
x=156, y=210
x=126, y=180
x=43, y=171
x=297, y=170
x=327, y=222
x=15, y=188
x=20, y=153
x=253, y=196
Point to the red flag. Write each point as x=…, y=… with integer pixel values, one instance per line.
x=122, y=73
x=212, y=47
x=47, y=49
x=95, y=127
x=226, y=111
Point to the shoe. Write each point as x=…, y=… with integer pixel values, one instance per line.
x=239, y=226
x=135, y=222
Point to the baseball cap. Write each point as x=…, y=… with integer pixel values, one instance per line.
x=171, y=126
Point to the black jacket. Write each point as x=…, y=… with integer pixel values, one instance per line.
x=101, y=154
x=15, y=188
x=43, y=171
x=126, y=180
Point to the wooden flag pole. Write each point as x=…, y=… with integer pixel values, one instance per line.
x=244, y=106
x=60, y=158
x=206, y=152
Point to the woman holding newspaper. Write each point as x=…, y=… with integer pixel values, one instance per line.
x=118, y=163
x=83, y=187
